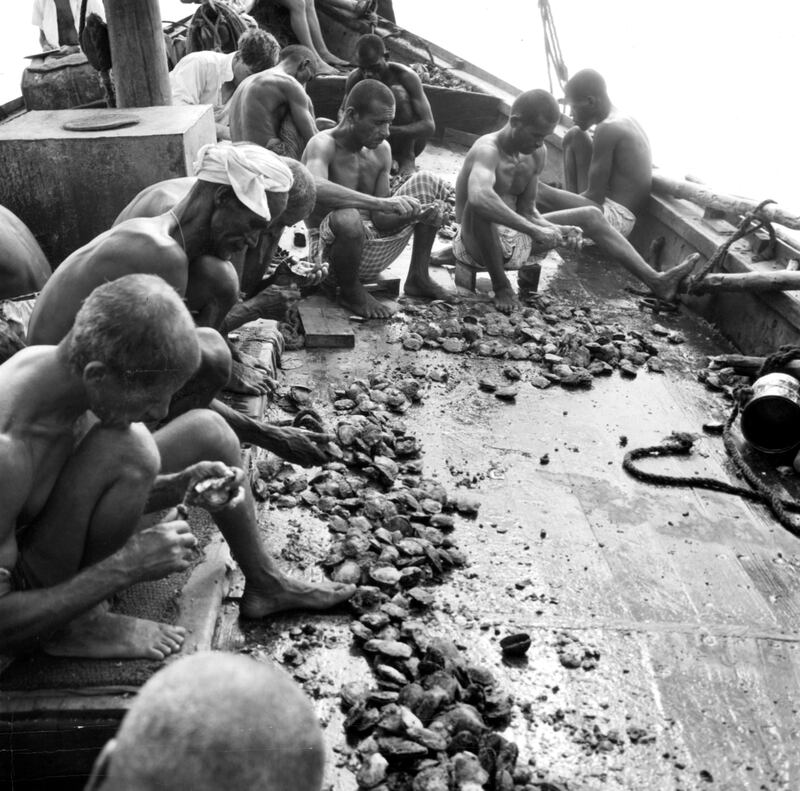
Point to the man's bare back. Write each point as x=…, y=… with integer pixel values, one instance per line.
x=138, y=246
x=630, y=173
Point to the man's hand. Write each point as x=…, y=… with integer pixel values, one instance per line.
x=571, y=236
x=299, y=446
x=547, y=236
x=158, y=551
x=401, y=205
x=205, y=470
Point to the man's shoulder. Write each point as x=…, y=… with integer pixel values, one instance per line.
x=620, y=125
x=399, y=71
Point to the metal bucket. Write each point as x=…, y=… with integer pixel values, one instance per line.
x=770, y=421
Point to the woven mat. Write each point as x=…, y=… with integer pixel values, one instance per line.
x=156, y=600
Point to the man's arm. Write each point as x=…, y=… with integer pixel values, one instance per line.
x=606, y=137
x=317, y=158
x=300, y=112
x=487, y=204
x=424, y=125
x=28, y=615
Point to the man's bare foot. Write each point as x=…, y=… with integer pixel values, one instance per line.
x=362, y=303
x=247, y=380
x=428, y=288
x=670, y=282
x=505, y=300
x=100, y=634
x=292, y=594
x=326, y=68
x=334, y=60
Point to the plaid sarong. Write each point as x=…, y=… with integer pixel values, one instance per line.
x=380, y=249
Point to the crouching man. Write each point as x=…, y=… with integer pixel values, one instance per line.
x=71, y=496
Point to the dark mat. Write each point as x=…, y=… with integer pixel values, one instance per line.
x=156, y=600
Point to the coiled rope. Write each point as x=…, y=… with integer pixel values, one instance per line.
x=680, y=444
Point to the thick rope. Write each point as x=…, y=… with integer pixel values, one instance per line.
x=552, y=47
x=750, y=223
x=681, y=445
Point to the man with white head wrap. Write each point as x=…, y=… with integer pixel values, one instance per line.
x=188, y=244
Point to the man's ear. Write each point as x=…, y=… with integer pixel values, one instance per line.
x=94, y=372
x=222, y=194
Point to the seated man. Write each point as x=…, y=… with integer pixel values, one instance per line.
x=208, y=77
x=614, y=171
x=496, y=194
x=273, y=109
x=292, y=444
x=413, y=123
x=356, y=225
x=264, y=736
x=74, y=485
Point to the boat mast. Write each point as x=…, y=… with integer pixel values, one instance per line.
x=138, y=53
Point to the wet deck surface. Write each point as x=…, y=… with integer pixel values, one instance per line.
x=691, y=597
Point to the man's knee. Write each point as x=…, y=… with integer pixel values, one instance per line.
x=215, y=357
x=212, y=280
x=130, y=452
x=577, y=138
x=214, y=439
x=591, y=219
x=347, y=223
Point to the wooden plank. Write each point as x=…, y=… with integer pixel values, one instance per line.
x=326, y=324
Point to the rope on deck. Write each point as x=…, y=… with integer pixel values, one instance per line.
x=680, y=444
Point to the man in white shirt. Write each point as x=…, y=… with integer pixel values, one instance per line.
x=211, y=77
x=45, y=17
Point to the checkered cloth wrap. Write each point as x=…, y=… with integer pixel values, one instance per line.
x=380, y=250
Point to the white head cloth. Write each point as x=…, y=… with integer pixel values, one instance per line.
x=249, y=169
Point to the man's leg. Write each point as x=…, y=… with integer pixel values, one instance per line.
x=201, y=435
x=345, y=260
x=212, y=290
x=405, y=147
x=664, y=285
x=577, y=151
x=419, y=282
x=92, y=511
x=482, y=242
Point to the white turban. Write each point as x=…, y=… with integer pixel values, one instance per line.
x=249, y=169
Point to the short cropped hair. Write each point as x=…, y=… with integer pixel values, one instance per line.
x=364, y=93
x=370, y=48
x=297, y=53
x=535, y=106
x=138, y=327
x=586, y=83
x=216, y=720
x=258, y=49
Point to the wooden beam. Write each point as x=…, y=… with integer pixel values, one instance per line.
x=138, y=53
x=703, y=195
x=753, y=282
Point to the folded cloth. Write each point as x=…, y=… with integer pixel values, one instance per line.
x=250, y=170
x=516, y=247
x=619, y=217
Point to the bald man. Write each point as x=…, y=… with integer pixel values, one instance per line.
x=611, y=170
x=74, y=483
x=212, y=721
x=496, y=193
x=293, y=444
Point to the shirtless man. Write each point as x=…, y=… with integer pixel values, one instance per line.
x=265, y=738
x=413, y=124
x=239, y=189
x=356, y=225
x=273, y=108
x=496, y=194
x=74, y=485
x=613, y=171
x=292, y=444
x=207, y=77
